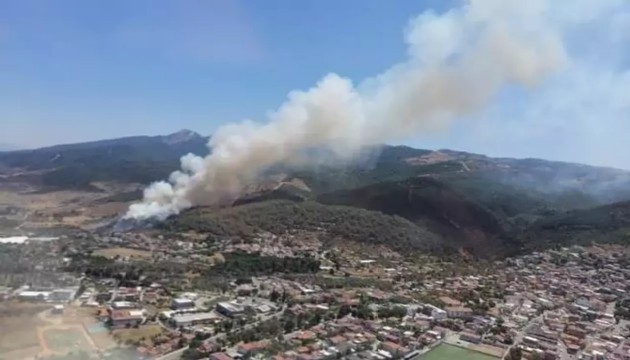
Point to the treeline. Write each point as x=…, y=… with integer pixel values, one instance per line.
x=608, y=224
x=279, y=216
x=243, y=264
x=129, y=273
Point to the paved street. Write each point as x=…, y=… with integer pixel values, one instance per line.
x=521, y=334
x=177, y=354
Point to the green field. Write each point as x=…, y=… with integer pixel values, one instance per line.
x=450, y=352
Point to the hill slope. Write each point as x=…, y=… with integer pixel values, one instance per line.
x=603, y=224
x=332, y=222
x=134, y=159
x=420, y=199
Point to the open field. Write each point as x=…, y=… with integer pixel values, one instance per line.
x=18, y=329
x=122, y=252
x=450, y=352
x=41, y=208
x=31, y=330
x=63, y=341
x=140, y=335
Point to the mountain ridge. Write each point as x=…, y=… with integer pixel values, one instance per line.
x=473, y=203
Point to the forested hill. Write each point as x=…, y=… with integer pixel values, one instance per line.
x=603, y=224
x=397, y=195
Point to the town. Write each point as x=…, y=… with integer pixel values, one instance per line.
x=286, y=297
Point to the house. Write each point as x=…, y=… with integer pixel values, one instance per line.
x=182, y=303
x=470, y=337
x=435, y=312
x=393, y=348
x=34, y=295
x=122, y=305
x=337, y=340
x=125, y=318
x=576, y=331
x=220, y=356
x=306, y=335
x=448, y=301
x=459, y=312
x=245, y=290
x=128, y=294
x=252, y=348
x=57, y=309
x=62, y=295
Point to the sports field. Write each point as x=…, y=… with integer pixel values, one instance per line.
x=450, y=352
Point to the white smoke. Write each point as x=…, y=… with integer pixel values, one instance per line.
x=458, y=61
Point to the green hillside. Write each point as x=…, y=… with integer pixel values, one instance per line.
x=334, y=222
x=604, y=224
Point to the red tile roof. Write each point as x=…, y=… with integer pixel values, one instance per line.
x=337, y=339
x=220, y=356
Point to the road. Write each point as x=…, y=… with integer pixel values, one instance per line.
x=521, y=334
x=177, y=354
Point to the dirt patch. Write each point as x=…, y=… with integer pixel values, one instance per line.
x=62, y=341
x=432, y=158
x=45, y=209
x=18, y=328
x=30, y=330
x=142, y=335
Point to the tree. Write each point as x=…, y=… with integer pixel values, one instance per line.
x=274, y=296
x=195, y=343
x=515, y=353
x=343, y=311
x=396, y=311
x=289, y=324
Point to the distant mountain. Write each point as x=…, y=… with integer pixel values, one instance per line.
x=139, y=159
x=8, y=147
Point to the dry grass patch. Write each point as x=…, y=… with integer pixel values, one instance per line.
x=141, y=335
x=18, y=326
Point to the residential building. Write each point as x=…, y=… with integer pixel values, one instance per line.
x=182, y=303
x=125, y=318
x=459, y=312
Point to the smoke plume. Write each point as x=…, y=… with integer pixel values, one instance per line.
x=457, y=63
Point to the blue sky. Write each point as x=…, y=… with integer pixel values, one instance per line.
x=73, y=70
x=77, y=70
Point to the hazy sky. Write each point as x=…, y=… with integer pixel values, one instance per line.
x=76, y=70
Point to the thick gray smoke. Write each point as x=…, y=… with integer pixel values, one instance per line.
x=458, y=62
